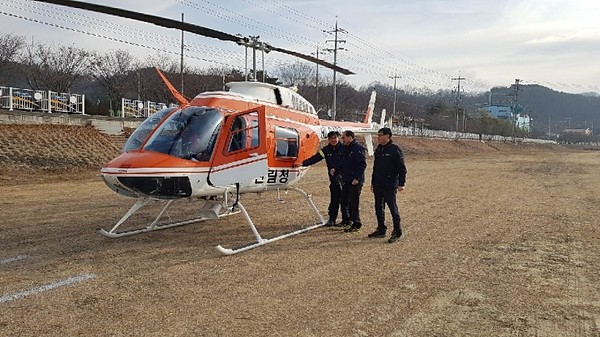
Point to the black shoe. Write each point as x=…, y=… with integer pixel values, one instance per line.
x=330, y=224
x=377, y=234
x=395, y=237
x=352, y=229
x=344, y=224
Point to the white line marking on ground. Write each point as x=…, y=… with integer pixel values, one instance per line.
x=37, y=290
x=13, y=259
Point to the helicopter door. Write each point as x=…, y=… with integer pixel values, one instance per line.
x=241, y=152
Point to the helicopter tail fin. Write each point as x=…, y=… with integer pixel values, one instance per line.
x=369, y=115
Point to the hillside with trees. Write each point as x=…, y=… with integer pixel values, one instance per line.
x=106, y=78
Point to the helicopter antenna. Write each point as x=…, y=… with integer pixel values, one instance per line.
x=178, y=96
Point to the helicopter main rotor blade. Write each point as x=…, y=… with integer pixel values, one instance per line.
x=313, y=59
x=188, y=27
x=157, y=20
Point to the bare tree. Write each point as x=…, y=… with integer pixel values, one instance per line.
x=115, y=72
x=163, y=62
x=211, y=79
x=199, y=81
x=298, y=73
x=351, y=104
x=10, y=46
x=49, y=67
x=151, y=86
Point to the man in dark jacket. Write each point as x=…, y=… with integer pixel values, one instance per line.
x=352, y=169
x=389, y=177
x=332, y=153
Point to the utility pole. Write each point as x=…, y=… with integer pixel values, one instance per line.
x=334, y=50
x=458, y=98
x=181, y=63
x=394, y=105
x=514, y=122
x=317, y=81
x=139, y=87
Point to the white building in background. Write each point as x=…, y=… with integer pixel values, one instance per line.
x=523, y=122
x=499, y=111
x=505, y=112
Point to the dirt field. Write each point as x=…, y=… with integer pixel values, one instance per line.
x=497, y=243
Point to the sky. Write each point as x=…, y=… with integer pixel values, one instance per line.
x=423, y=43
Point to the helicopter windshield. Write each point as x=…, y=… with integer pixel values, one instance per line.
x=189, y=134
x=137, y=138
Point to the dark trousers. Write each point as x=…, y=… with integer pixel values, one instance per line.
x=350, y=203
x=383, y=197
x=335, y=193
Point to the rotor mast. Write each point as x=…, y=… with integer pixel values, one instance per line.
x=254, y=43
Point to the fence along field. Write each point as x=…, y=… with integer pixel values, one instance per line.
x=43, y=101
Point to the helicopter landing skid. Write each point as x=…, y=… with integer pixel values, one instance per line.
x=259, y=240
x=211, y=210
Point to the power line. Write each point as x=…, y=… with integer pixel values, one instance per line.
x=189, y=46
x=335, y=49
x=373, y=60
x=109, y=38
x=304, y=22
x=109, y=27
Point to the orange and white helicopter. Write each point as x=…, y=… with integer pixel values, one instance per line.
x=219, y=146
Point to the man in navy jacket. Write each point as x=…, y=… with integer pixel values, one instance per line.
x=389, y=177
x=352, y=170
x=332, y=153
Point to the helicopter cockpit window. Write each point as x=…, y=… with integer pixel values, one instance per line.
x=137, y=138
x=254, y=134
x=189, y=134
x=243, y=134
x=238, y=134
x=287, y=142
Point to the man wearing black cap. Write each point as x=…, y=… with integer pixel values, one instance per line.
x=332, y=153
x=389, y=177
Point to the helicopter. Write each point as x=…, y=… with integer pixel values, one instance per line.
x=220, y=145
